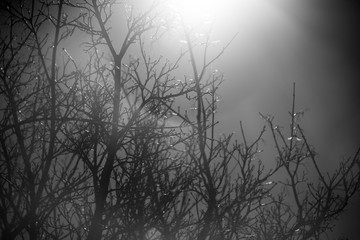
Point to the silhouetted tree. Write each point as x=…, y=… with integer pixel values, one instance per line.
x=108, y=142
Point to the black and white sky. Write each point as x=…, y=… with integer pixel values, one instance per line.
x=312, y=43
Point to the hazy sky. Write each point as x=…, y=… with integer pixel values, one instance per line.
x=312, y=43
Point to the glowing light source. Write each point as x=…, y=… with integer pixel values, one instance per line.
x=196, y=11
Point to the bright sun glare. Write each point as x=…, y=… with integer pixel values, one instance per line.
x=195, y=12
